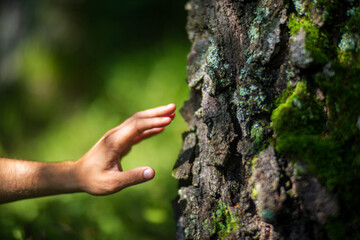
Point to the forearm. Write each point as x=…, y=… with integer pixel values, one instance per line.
x=20, y=179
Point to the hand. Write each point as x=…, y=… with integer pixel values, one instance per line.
x=99, y=171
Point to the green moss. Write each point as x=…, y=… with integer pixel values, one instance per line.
x=299, y=113
x=254, y=193
x=296, y=22
x=299, y=122
x=315, y=38
x=324, y=8
x=322, y=155
x=223, y=221
x=343, y=97
x=256, y=133
x=255, y=159
x=328, y=141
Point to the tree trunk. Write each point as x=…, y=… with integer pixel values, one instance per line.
x=272, y=149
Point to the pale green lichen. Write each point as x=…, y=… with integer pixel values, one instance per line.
x=253, y=88
x=299, y=171
x=244, y=92
x=297, y=102
x=253, y=56
x=249, y=103
x=347, y=43
x=299, y=6
x=261, y=14
x=254, y=34
x=212, y=58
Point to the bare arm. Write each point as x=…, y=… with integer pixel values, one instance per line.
x=98, y=172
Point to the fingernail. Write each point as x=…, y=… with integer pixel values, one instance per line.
x=148, y=174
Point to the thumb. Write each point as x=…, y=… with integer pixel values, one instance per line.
x=135, y=176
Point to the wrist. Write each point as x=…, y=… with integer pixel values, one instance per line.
x=66, y=179
x=79, y=174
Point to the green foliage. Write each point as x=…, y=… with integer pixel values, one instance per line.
x=141, y=212
x=76, y=75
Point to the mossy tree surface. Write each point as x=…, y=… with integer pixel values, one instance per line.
x=272, y=149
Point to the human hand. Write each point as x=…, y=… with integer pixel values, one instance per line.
x=99, y=171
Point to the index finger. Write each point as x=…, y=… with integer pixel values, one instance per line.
x=125, y=133
x=161, y=111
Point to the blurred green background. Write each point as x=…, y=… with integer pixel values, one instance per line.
x=69, y=71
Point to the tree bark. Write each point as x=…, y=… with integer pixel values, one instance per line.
x=271, y=150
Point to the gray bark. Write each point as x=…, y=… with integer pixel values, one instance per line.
x=233, y=184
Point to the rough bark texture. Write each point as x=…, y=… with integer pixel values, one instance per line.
x=271, y=150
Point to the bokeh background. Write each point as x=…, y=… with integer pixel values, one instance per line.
x=69, y=71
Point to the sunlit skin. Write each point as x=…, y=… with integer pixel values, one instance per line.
x=98, y=172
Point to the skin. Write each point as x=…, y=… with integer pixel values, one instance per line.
x=98, y=172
